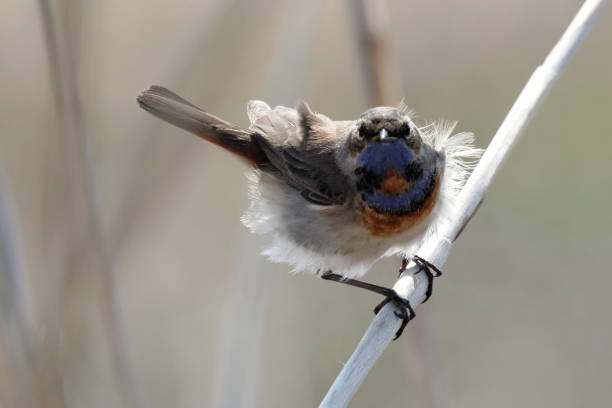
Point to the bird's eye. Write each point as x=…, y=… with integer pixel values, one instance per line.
x=404, y=130
x=413, y=139
x=365, y=132
x=361, y=129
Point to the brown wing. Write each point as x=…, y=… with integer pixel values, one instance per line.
x=297, y=146
x=301, y=147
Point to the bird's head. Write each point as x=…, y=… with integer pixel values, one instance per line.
x=395, y=168
x=385, y=125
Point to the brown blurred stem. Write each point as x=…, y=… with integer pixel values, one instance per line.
x=141, y=199
x=369, y=21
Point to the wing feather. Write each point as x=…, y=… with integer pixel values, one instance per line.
x=301, y=146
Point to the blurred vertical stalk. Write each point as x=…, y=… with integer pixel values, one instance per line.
x=16, y=309
x=59, y=40
x=245, y=311
x=137, y=203
x=370, y=23
x=382, y=85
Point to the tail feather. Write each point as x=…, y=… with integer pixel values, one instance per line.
x=173, y=109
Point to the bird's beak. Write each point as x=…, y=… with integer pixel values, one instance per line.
x=383, y=134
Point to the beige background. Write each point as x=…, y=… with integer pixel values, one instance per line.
x=520, y=318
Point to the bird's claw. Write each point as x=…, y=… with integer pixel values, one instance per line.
x=404, y=311
x=430, y=270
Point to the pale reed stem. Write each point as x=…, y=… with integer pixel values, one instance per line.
x=437, y=249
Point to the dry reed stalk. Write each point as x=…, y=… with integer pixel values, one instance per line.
x=437, y=249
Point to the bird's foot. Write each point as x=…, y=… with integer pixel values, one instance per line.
x=430, y=270
x=404, y=312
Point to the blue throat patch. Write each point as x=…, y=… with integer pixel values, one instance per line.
x=378, y=158
x=404, y=203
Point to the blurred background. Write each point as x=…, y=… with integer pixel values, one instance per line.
x=128, y=280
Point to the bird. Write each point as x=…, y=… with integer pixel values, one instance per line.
x=337, y=196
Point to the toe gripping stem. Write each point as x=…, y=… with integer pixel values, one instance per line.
x=430, y=270
x=404, y=311
x=404, y=308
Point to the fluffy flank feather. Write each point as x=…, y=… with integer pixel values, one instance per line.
x=460, y=158
x=305, y=260
x=260, y=217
